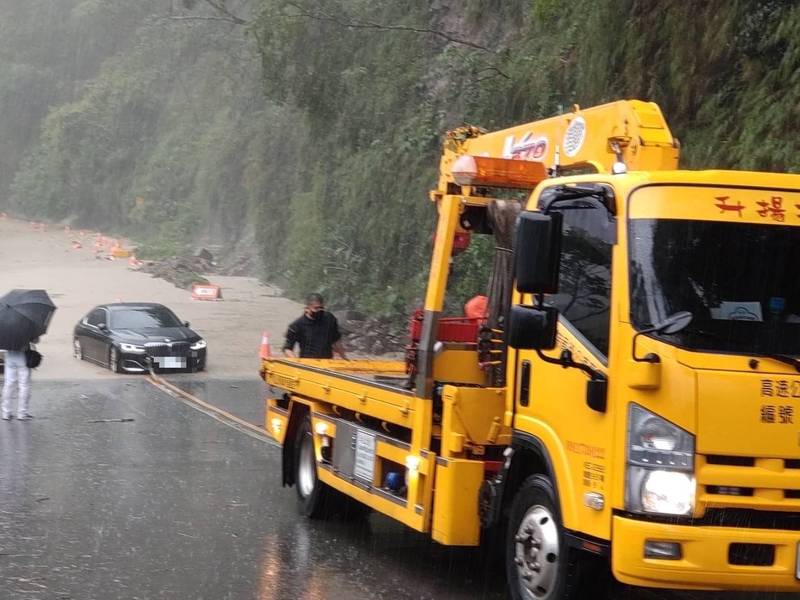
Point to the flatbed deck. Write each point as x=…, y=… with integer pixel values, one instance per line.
x=371, y=387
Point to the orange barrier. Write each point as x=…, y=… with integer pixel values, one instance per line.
x=206, y=292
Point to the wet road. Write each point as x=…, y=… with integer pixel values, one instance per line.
x=174, y=504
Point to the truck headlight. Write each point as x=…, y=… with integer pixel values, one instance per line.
x=132, y=348
x=660, y=465
x=198, y=345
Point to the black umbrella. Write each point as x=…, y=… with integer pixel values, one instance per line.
x=24, y=316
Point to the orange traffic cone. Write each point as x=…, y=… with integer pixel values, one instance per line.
x=264, y=351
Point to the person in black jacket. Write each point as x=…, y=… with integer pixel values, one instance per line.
x=316, y=332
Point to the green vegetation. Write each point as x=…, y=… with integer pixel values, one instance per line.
x=308, y=130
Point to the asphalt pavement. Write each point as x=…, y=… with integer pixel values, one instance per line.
x=118, y=491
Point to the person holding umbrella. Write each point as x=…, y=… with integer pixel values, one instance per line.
x=24, y=316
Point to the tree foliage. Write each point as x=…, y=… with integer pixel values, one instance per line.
x=310, y=129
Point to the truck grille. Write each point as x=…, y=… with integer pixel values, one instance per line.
x=167, y=349
x=747, y=482
x=748, y=518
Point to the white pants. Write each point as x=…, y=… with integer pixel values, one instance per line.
x=17, y=375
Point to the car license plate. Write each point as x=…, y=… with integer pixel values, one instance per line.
x=170, y=362
x=365, y=456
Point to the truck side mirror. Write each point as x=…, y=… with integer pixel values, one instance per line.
x=537, y=251
x=531, y=328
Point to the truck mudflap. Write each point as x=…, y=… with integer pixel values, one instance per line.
x=704, y=557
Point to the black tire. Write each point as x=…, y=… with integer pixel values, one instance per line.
x=539, y=565
x=314, y=497
x=113, y=360
x=317, y=500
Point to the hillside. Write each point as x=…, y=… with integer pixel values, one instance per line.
x=307, y=131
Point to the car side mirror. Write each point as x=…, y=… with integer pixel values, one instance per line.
x=537, y=252
x=186, y=323
x=532, y=328
x=102, y=326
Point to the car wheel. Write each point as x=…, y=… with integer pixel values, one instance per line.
x=77, y=349
x=539, y=564
x=113, y=360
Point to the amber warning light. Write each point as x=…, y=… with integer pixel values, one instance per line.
x=498, y=172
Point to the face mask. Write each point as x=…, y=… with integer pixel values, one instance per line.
x=316, y=316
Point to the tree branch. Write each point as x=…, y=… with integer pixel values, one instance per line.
x=223, y=14
x=351, y=23
x=206, y=18
x=219, y=6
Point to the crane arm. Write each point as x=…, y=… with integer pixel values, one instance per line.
x=629, y=131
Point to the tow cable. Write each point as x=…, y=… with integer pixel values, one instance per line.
x=204, y=407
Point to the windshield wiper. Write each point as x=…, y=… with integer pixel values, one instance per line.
x=786, y=359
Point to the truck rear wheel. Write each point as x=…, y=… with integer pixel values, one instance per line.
x=539, y=565
x=316, y=499
x=313, y=495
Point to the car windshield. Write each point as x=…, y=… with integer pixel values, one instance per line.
x=144, y=318
x=740, y=281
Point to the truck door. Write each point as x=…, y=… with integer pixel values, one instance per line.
x=551, y=400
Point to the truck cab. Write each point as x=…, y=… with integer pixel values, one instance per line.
x=656, y=337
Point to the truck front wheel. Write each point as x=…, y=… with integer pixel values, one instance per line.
x=311, y=492
x=539, y=566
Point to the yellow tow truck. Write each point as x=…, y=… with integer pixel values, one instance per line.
x=632, y=399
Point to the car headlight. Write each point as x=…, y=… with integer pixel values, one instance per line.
x=199, y=345
x=660, y=466
x=131, y=348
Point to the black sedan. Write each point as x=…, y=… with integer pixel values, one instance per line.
x=127, y=337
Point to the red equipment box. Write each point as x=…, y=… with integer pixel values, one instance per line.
x=451, y=329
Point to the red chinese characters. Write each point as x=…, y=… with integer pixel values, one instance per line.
x=723, y=206
x=772, y=208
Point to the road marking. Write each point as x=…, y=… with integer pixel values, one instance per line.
x=212, y=411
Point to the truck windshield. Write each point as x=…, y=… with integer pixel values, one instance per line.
x=740, y=281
